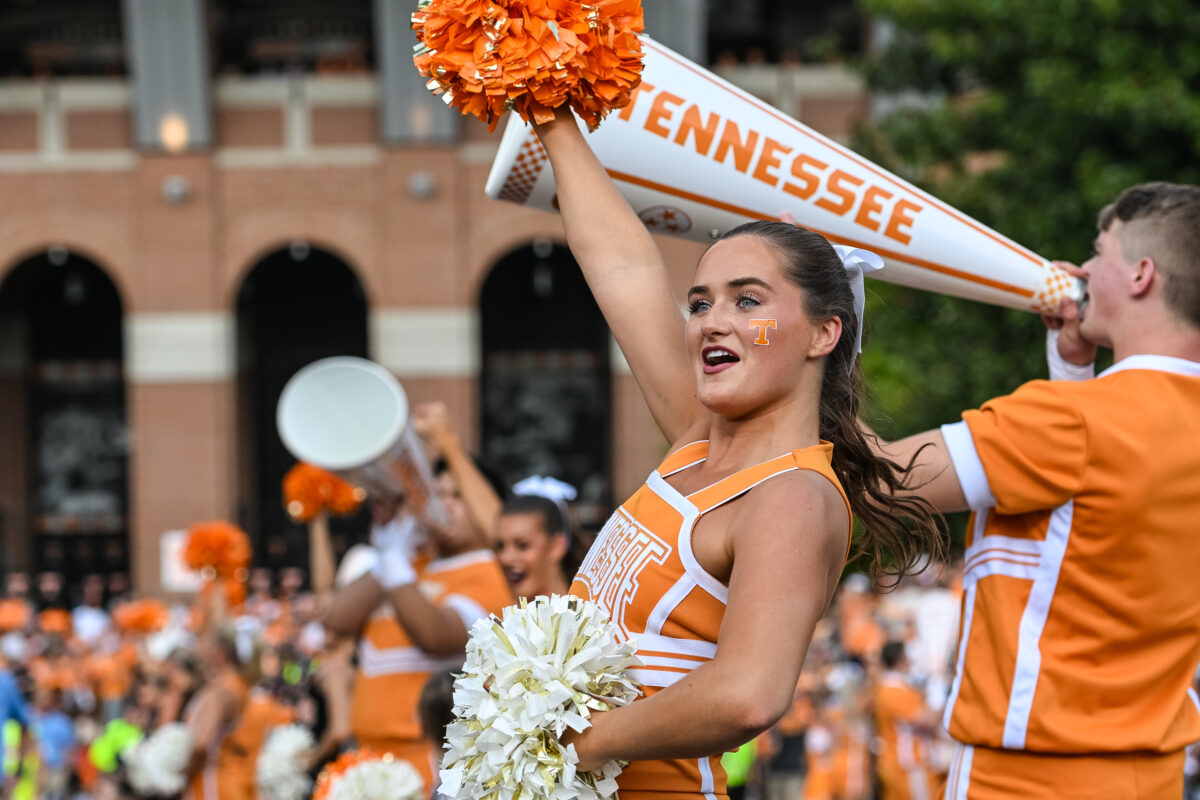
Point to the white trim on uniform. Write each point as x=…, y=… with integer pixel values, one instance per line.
x=1178, y=366
x=1000, y=555
x=669, y=644
x=690, y=463
x=1033, y=622
x=967, y=465
x=1195, y=698
x=1009, y=569
x=374, y=661
x=467, y=609
x=467, y=559
x=659, y=679
x=958, y=782
x=956, y=684
x=708, y=784
x=691, y=567
x=665, y=661
x=666, y=604
x=741, y=492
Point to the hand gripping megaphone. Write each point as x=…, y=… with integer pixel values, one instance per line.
x=351, y=417
x=695, y=156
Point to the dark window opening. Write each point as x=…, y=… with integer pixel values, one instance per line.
x=546, y=379
x=296, y=306
x=257, y=37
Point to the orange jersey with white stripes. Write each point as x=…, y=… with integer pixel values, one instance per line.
x=1081, y=618
x=392, y=670
x=641, y=570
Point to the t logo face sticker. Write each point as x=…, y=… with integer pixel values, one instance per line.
x=762, y=325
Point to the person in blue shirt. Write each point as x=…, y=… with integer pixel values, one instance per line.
x=15, y=718
x=55, y=736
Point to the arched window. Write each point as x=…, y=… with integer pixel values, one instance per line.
x=297, y=305
x=546, y=378
x=63, y=436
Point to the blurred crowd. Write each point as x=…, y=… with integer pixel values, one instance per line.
x=86, y=671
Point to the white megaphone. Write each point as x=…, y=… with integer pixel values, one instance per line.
x=695, y=156
x=351, y=417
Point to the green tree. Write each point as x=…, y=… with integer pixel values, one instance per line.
x=1030, y=116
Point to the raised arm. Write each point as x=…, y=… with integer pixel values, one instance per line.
x=932, y=476
x=432, y=422
x=627, y=277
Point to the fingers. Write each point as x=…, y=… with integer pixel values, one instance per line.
x=430, y=418
x=1068, y=309
x=1052, y=322
x=1078, y=272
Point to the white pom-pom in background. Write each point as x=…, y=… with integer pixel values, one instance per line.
x=384, y=778
x=280, y=772
x=157, y=765
x=542, y=669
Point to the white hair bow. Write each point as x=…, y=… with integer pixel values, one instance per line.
x=554, y=490
x=858, y=262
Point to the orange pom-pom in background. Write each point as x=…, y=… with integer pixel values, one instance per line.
x=14, y=615
x=533, y=56
x=141, y=616
x=56, y=621
x=218, y=546
x=310, y=490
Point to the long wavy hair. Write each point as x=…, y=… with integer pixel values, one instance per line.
x=898, y=531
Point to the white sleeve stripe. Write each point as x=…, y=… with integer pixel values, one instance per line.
x=971, y=476
x=1060, y=368
x=467, y=609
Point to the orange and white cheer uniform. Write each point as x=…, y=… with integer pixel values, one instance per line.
x=1081, y=620
x=392, y=670
x=221, y=778
x=641, y=570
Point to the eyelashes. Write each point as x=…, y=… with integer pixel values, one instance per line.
x=744, y=301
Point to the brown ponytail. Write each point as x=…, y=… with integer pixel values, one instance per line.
x=898, y=531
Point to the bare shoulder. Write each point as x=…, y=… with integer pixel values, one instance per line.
x=799, y=508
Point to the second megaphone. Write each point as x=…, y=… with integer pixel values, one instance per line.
x=351, y=417
x=696, y=156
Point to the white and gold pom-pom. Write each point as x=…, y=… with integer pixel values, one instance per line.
x=280, y=772
x=157, y=765
x=528, y=677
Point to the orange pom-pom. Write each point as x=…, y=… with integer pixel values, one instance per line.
x=532, y=56
x=218, y=546
x=140, y=616
x=309, y=490
x=56, y=621
x=14, y=615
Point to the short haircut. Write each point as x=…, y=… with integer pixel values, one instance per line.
x=892, y=654
x=1162, y=221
